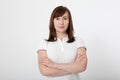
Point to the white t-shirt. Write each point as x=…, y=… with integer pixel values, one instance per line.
x=62, y=52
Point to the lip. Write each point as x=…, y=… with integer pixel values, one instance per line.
x=61, y=26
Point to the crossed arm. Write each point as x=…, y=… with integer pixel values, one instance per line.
x=49, y=68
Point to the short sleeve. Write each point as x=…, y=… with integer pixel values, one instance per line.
x=42, y=45
x=80, y=42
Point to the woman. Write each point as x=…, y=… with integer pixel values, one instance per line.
x=62, y=56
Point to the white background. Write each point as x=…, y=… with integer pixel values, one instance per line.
x=24, y=22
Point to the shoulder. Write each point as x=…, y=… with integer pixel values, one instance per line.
x=43, y=41
x=79, y=41
x=42, y=44
x=78, y=38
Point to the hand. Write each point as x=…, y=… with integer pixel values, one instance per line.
x=79, y=58
x=47, y=62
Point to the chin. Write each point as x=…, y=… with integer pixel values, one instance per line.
x=61, y=31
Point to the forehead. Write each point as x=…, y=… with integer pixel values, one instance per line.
x=60, y=14
x=65, y=14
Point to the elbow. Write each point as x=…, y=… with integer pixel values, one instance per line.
x=44, y=70
x=44, y=73
x=82, y=69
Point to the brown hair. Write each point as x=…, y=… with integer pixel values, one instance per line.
x=57, y=12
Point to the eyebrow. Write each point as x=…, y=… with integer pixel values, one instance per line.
x=65, y=16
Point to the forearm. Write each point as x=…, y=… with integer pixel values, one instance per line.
x=79, y=65
x=69, y=67
x=48, y=71
x=74, y=67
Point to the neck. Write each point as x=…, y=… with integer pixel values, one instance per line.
x=61, y=35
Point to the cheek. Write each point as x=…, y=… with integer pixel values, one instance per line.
x=55, y=24
x=66, y=24
x=56, y=21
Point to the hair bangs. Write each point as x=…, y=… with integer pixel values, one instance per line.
x=59, y=13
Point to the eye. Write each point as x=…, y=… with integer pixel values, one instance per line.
x=57, y=18
x=65, y=18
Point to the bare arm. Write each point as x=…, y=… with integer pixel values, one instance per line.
x=48, y=71
x=79, y=65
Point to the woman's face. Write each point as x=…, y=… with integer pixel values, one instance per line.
x=61, y=23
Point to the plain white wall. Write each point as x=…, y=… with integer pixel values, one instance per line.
x=24, y=22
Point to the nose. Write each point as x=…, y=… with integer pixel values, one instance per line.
x=61, y=21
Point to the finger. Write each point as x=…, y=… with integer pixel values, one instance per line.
x=45, y=64
x=80, y=58
x=42, y=60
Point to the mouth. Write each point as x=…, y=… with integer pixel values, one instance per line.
x=61, y=27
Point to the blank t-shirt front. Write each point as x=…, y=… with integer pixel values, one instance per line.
x=62, y=52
